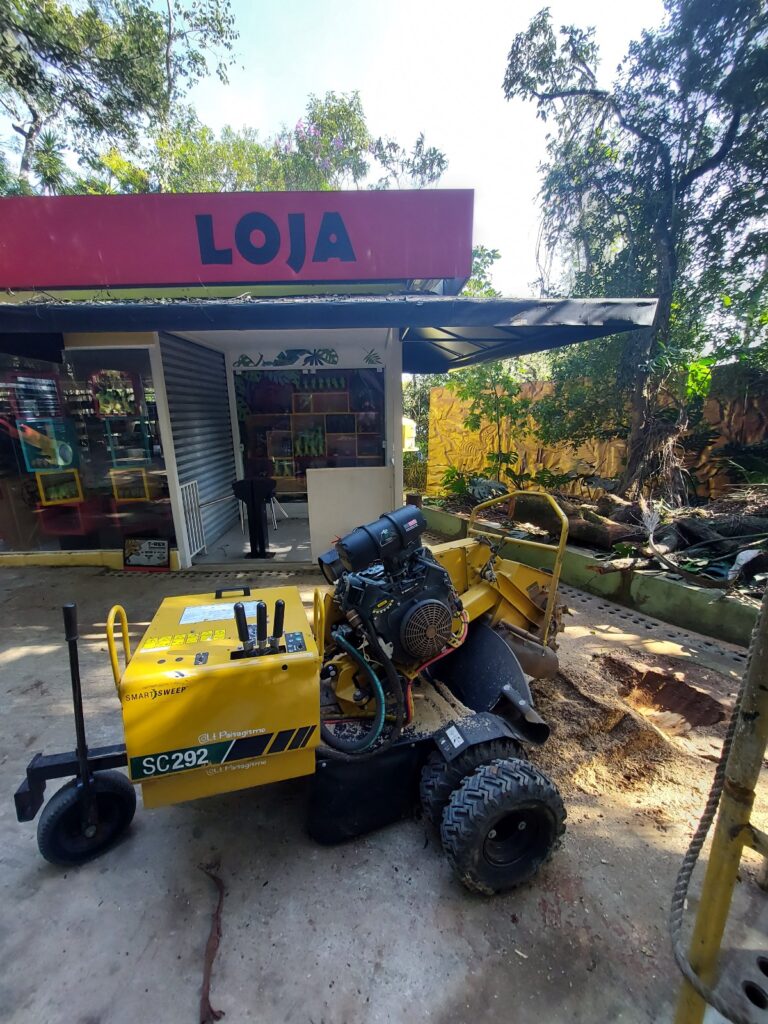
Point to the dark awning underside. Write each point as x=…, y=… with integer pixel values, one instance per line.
x=438, y=333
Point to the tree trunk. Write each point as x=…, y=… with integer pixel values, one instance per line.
x=30, y=136
x=639, y=416
x=641, y=439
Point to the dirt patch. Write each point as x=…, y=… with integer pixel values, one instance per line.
x=624, y=723
x=664, y=696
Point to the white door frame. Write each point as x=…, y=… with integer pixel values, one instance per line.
x=169, y=454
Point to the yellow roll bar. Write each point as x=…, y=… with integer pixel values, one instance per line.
x=115, y=612
x=559, y=550
x=318, y=621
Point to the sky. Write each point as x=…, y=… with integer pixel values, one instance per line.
x=435, y=68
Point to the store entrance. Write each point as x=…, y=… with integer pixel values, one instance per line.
x=291, y=421
x=287, y=538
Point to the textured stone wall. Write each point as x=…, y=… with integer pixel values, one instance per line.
x=736, y=411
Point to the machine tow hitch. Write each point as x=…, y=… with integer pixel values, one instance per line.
x=82, y=763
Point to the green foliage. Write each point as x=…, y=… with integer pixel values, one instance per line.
x=493, y=396
x=106, y=80
x=11, y=184
x=577, y=410
x=422, y=166
x=416, y=392
x=329, y=148
x=456, y=482
x=479, y=284
x=699, y=378
x=653, y=186
x=49, y=165
x=105, y=69
x=414, y=471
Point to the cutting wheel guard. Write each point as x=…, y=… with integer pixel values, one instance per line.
x=484, y=672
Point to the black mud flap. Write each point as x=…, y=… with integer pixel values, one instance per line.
x=485, y=675
x=351, y=798
x=456, y=737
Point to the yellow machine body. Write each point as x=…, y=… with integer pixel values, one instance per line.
x=198, y=722
x=511, y=592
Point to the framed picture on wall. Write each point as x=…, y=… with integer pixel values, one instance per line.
x=46, y=443
x=62, y=488
x=129, y=484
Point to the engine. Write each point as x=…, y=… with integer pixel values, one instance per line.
x=386, y=578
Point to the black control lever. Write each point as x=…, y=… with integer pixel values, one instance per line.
x=277, y=624
x=242, y=627
x=280, y=617
x=261, y=624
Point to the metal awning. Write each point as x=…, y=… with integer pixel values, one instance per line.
x=438, y=333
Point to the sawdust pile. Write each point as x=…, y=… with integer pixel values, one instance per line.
x=607, y=733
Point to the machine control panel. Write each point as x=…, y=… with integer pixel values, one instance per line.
x=295, y=642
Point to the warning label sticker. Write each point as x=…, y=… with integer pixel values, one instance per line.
x=214, y=612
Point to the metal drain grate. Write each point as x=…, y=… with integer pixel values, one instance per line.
x=626, y=618
x=195, y=574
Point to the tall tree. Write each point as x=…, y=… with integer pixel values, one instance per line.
x=656, y=185
x=105, y=69
x=329, y=147
x=419, y=167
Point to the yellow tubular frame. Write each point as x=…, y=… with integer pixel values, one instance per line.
x=318, y=621
x=559, y=550
x=114, y=612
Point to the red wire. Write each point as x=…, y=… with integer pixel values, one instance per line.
x=451, y=647
x=408, y=700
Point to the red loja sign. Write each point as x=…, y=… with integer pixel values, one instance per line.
x=237, y=238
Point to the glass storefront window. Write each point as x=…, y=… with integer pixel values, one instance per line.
x=291, y=421
x=81, y=459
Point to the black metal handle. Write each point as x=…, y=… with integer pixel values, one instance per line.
x=246, y=592
x=261, y=623
x=242, y=624
x=70, y=621
x=277, y=625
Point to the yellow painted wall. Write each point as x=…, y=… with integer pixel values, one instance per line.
x=109, y=558
x=736, y=411
x=451, y=444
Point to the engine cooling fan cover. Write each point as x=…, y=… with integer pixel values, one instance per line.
x=426, y=629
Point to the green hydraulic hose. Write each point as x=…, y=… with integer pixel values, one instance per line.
x=378, y=722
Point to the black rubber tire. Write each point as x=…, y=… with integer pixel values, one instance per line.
x=501, y=825
x=439, y=778
x=60, y=837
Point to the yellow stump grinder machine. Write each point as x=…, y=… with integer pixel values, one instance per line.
x=410, y=682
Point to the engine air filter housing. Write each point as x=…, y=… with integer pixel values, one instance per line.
x=426, y=628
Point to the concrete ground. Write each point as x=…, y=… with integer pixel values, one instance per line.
x=377, y=930
x=289, y=543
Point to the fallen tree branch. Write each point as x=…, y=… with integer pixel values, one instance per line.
x=651, y=521
x=207, y=1013
x=689, y=577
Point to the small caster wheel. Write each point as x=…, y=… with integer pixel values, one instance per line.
x=501, y=825
x=61, y=836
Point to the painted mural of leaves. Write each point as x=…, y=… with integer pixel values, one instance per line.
x=245, y=360
x=322, y=356
x=288, y=357
x=372, y=357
